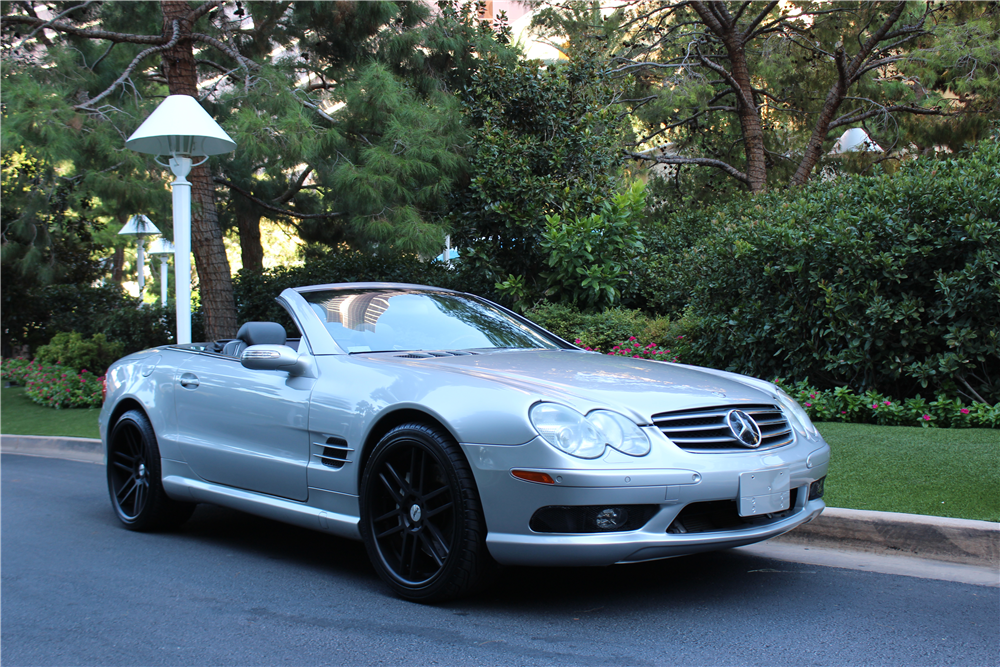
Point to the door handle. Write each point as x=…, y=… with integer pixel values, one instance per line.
x=189, y=380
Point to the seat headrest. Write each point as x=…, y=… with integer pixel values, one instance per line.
x=262, y=333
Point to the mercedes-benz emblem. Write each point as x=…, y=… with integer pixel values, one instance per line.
x=743, y=428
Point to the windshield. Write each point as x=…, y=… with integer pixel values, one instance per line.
x=383, y=320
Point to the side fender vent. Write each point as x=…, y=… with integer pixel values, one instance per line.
x=333, y=453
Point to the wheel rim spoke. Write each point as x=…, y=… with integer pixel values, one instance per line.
x=398, y=488
x=123, y=495
x=434, y=512
x=434, y=542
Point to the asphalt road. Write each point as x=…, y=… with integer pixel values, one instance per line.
x=233, y=589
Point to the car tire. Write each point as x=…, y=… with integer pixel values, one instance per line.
x=421, y=517
x=134, y=477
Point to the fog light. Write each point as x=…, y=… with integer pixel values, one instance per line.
x=816, y=489
x=611, y=518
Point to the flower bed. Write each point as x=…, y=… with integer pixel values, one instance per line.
x=633, y=348
x=844, y=405
x=54, y=386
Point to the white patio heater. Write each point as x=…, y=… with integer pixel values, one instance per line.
x=181, y=129
x=140, y=227
x=163, y=249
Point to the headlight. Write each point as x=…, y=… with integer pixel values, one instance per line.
x=587, y=437
x=796, y=412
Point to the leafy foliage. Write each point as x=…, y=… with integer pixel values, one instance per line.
x=48, y=311
x=733, y=95
x=889, y=284
x=545, y=142
x=589, y=258
x=73, y=351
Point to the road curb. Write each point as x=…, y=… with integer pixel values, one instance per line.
x=957, y=541
x=72, y=449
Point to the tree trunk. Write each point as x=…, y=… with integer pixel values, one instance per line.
x=250, y=246
x=118, y=265
x=724, y=27
x=814, y=149
x=753, y=132
x=214, y=275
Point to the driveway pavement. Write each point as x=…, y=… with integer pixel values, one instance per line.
x=950, y=542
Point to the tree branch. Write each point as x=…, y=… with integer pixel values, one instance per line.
x=201, y=10
x=699, y=161
x=271, y=207
x=749, y=34
x=51, y=21
x=119, y=37
x=857, y=117
x=232, y=53
x=88, y=105
x=295, y=187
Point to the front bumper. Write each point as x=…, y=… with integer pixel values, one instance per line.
x=691, y=478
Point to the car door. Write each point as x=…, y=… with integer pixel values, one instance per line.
x=244, y=428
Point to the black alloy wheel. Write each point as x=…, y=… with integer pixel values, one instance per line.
x=421, y=518
x=134, y=480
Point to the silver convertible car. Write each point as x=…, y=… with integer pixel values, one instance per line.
x=452, y=435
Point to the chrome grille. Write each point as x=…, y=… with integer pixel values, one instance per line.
x=705, y=429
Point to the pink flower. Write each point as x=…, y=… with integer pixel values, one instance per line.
x=636, y=356
x=927, y=418
x=888, y=402
x=843, y=412
x=812, y=395
x=631, y=338
x=874, y=406
x=809, y=405
x=964, y=411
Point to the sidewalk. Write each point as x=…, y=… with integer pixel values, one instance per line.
x=956, y=541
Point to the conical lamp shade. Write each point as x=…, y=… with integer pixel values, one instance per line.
x=139, y=225
x=161, y=246
x=180, y=126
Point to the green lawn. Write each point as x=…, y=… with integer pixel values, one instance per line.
x=941, y=472
x=19, y=416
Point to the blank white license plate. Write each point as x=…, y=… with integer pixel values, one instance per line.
x=764, y=491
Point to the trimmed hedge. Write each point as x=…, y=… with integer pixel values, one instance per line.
x=887, y=283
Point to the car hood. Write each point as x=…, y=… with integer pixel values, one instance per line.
x=589, y=380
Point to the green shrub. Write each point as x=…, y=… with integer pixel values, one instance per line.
x=90, y=310
x=567, y=322
x=598, y=331
x=149, y=326
x=885, y=284
x=73, y=351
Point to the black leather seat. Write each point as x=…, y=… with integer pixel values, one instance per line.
x=255, y=333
